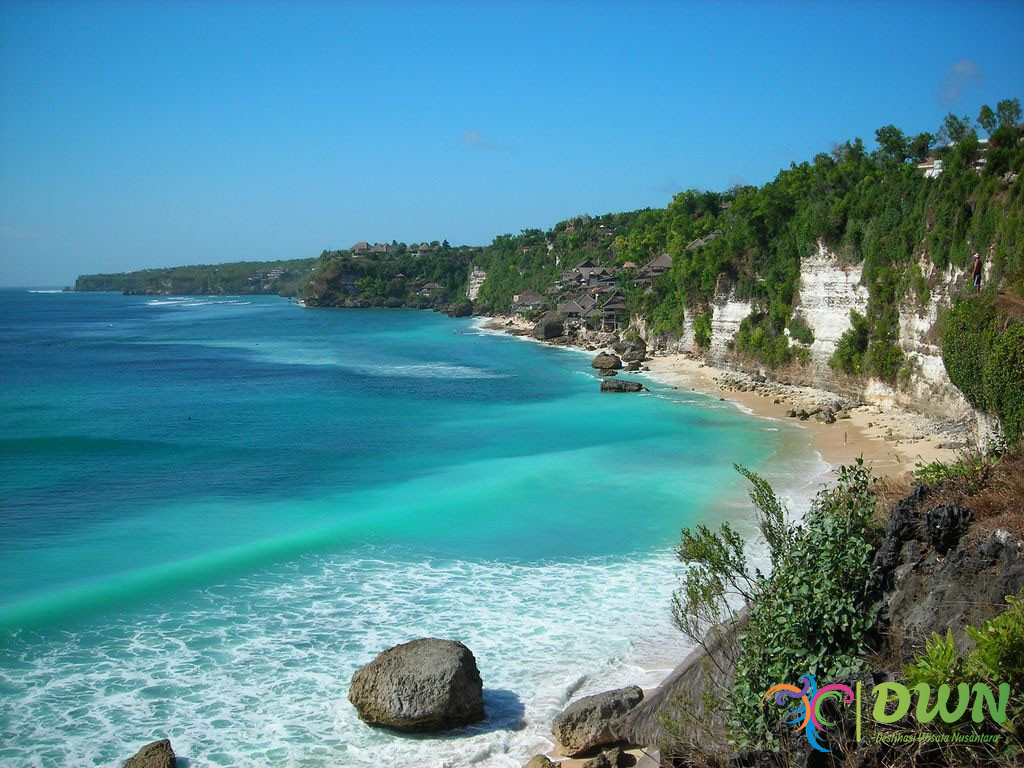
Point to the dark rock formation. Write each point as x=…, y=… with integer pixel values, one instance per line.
x=541, y=761
x=587, y=723
x=620, y=385
x=156, y=754
x=609, y=758
x=946, y=524
x=633, y=365
x=631, y=350
x=421, y=686
x=551, y=326
x=932, y=593
x=604, y=360
x=607, y=372
x=462, y=308
x=713, y=669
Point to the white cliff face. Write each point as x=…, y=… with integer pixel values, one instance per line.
x=828, y=292
x=727, y=312
x=929, y=388
x=476, y=279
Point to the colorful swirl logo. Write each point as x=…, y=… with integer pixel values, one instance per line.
x=805, y=715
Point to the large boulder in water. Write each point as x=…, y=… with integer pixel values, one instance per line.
x=620, y=385
x=156, y=754
x=421, y=686
x=606, y=360
x=551, y=326
x=588, y=722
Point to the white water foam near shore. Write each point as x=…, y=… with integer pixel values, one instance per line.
x=251, y=674
x=284, y=524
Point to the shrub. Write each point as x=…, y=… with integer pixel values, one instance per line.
x=984, y=356
x=849, y=354
x=806, y=616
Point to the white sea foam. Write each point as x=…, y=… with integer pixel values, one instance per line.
x=259, y=675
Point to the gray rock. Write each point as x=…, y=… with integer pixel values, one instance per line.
x=621, y=385
x=587, y=723
x=541, y=761
x=421, y=686
x=156, y=754
x=607, y=372
x=601, y=761
x=633, y=365
x=604, y=360
x=946, y=524
x=609, y=758
x=551, y=326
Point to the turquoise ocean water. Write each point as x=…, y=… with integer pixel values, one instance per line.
x=214, y=510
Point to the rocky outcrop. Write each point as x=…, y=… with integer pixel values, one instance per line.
x=586, y=724
x=551, y=326
x=156, y=754
x=682, y=697
x=606, y=361
x=829, y=291
x=609, y=758
x=929, y=574
x=421, y=686
x=541, y=761
x=727, y=312
x=621, y=385
x=460, y=309
x=631, y=350
x=477, y=276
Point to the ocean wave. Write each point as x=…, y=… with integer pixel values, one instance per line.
x=258, y=674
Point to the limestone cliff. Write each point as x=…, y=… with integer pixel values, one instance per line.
x=829, y=290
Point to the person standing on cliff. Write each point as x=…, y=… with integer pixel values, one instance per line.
x=976, y=272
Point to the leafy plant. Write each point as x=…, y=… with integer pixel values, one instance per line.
x=805, y=616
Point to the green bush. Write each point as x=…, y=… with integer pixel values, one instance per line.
x=996, y=658
x=806, y=616
x=983, y=352
x=848, y=356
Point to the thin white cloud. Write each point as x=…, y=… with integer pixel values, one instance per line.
x=476, y=140
x=964, y=74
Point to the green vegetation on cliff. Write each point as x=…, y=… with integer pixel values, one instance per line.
x=911, y=208
x=401, y=277
x=281, y=278
x=983, y=350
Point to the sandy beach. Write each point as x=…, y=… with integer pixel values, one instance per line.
x=891, y=440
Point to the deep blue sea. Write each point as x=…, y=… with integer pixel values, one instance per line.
x=213, y=510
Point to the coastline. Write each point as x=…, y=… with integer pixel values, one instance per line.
x=889, y=438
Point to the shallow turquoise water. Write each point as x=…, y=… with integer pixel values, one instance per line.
x=214, y=510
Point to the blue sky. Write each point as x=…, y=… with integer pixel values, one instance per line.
x=144, y=134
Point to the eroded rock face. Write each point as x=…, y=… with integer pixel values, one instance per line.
x=541, y=761
x=551, y=326
x=604, y=360
x=156, y=754
x=946, y=524
x=587, y=723
x=422, y=686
